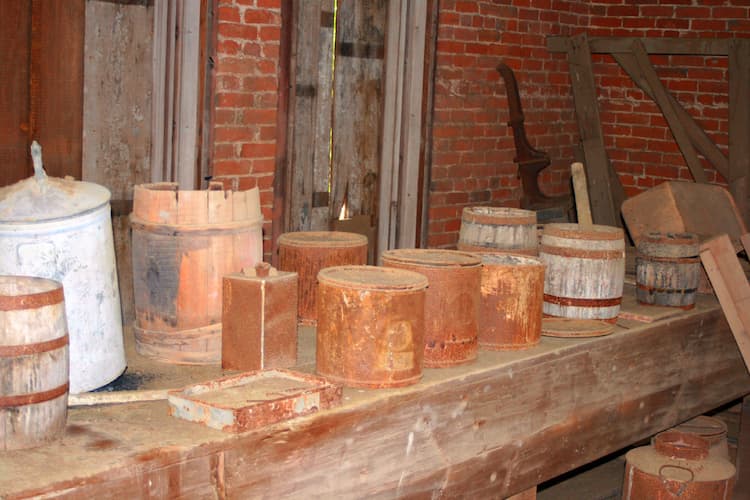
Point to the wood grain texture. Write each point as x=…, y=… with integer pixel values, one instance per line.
x=491, y=429
x=739, y=125
x=583, y=206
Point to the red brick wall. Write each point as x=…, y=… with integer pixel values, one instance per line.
x=472, y=145
x=637, y=138
x=246, y=82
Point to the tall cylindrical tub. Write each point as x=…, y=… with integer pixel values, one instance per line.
x=585, y=270
x=306, y=253
x=451, y=301
x=370, y=326
x=33, y=362
x=61, y=229
x=677, y=465
x=498, y=229
x=511, y=301
x=668, y=269
x=184, y=242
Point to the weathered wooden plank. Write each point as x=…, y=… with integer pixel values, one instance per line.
x=491, y=429
x=730, y=284
x=583, y=208
x=358, y=103
x=14, y=92
x=695, y=132
x=56, y=83
x=743, y=449
x=677, y=46
x=661, y=97
x=605, y=190
x=739, y=125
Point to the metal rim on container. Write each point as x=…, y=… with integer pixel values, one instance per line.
x=510, y=259
x=324, y=239
x=427, y=257
x=578, y=231
x=373, y=278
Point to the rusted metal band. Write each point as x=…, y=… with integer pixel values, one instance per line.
x=666, y=290
x=501, y=220
x=582, y=253
x=569, y=301
x=669, y=260
x=31, y=300
x=33, y=398
x=12, y=351
x=576, y=232
x=223, y=228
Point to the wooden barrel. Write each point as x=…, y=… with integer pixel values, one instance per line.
x=498, y=229
x=451, y=301
x=184, y=243
x=585, y=270
x=677, y=465
x=512, y=292
x=33, y=362
x=370, y=326
x=306, y=253
x=668, y=269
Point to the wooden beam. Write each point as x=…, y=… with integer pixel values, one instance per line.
x=605, y=190
x=743, y=449
x=739, y=125
x=661, y=97
x=672, y=46
x=731, y=287
x=583, y=208
x=695, y=132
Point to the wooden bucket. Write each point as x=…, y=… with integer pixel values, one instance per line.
x=33, y=362
x=511, y=301
x=498, y=229
x=306, y=253
x=668, y=269
x=451, y=301
x=184, y=242
x=712, y=429
x=370, y=326
x=585, y=271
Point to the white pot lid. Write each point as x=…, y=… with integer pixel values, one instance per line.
x=42, y=199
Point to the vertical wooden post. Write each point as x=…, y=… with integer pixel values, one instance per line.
x=743, y=450
x=739, y=124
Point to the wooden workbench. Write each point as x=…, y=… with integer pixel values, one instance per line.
x=491, y=429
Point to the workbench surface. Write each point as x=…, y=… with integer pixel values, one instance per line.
x=492, y=428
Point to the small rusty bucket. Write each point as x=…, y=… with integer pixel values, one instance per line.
x=451, y=301
x=306, y=253
x=498, y=229
x=370, y=326
x=677, y=465
x=711, y=429
x=512, y=294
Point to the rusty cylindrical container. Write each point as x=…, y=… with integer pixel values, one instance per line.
x=498, y=229
x=677, y=466
x=512, y=293
x=370, y=326
x=306, y=253
x=668, y=269
x=451, y=301
x=33, y=362
x=184, y=242
x=712, y=429
x=585, y=270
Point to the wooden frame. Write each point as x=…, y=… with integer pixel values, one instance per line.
x=632, y=55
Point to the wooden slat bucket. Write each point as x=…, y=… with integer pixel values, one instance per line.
x=668, y=269
x=370, y=326
x=451, y=302
x=184, y=242
x=307, y=252
x=498, y=229
x=585, y=270
x=511, y=301
x=33, y=362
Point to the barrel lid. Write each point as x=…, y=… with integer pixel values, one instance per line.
x=49, y=198
x=650, y=461
x=580, y=231
x=429, y=257
x=322, y=239
x=657, y=244
x=498, y=215
x=509, y=259
x=373, y=278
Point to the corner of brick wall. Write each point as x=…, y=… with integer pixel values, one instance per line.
x=246, y=83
